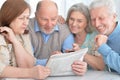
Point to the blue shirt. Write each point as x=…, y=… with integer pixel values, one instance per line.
x=67, y=44
x=111, y=50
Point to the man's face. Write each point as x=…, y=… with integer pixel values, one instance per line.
x=47, y=19
x=102, y=20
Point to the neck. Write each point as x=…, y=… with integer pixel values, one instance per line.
x=80, y=38
x=79, y=35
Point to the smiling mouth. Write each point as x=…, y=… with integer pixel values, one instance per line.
x=100, y=28
x=23, y=27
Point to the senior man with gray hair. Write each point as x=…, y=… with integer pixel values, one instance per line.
x=103, y=17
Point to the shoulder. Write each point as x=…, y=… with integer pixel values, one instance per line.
x=25, y=37
x=27, y=43
x=64, y=31
x=93, y=34
x=31, y=23
x=32, y=19
x=64, y=28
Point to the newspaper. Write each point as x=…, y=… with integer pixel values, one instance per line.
x=60, y=64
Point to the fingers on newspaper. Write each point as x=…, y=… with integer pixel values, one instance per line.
x=60, y=64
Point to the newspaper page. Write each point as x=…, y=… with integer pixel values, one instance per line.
x=60, y=64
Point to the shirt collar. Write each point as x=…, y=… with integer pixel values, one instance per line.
x=37, y=28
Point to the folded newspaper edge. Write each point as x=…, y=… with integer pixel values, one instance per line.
x=60, y=64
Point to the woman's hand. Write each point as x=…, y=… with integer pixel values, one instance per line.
x=61, y=20
x=40, y=72
x=75, y=48
x=8, y=33
x=79, y=67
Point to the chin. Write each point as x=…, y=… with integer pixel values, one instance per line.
x=104, y=32
x=74, y=32
x=21, y=32
x=48, y=31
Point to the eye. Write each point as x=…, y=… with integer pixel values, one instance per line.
x=92, y=19
x=101, y=18
x=28, y=18
x=79, y=20
x=71, y=19
x=25, y=17
x=43, y=19
x=53, y=19
x=22, y=18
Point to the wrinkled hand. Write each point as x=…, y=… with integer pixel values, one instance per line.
x=61, y=20
x=75, y=48
x=100, y=39
x=41, y=72
x=8, y=33
x=79, y=67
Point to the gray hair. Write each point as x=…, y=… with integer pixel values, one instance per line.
x=104, y=3
x=85, y=11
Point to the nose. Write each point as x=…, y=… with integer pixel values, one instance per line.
x=49, y=23
x=26, y=21
x=97, y=23
x=74, y=23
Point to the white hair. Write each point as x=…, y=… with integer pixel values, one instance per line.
x=104, y=3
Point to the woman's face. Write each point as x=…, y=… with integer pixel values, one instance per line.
x=77, y=22
x=21, y=22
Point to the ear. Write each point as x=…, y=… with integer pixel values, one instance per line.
x=114, y=17
x=35, y=14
